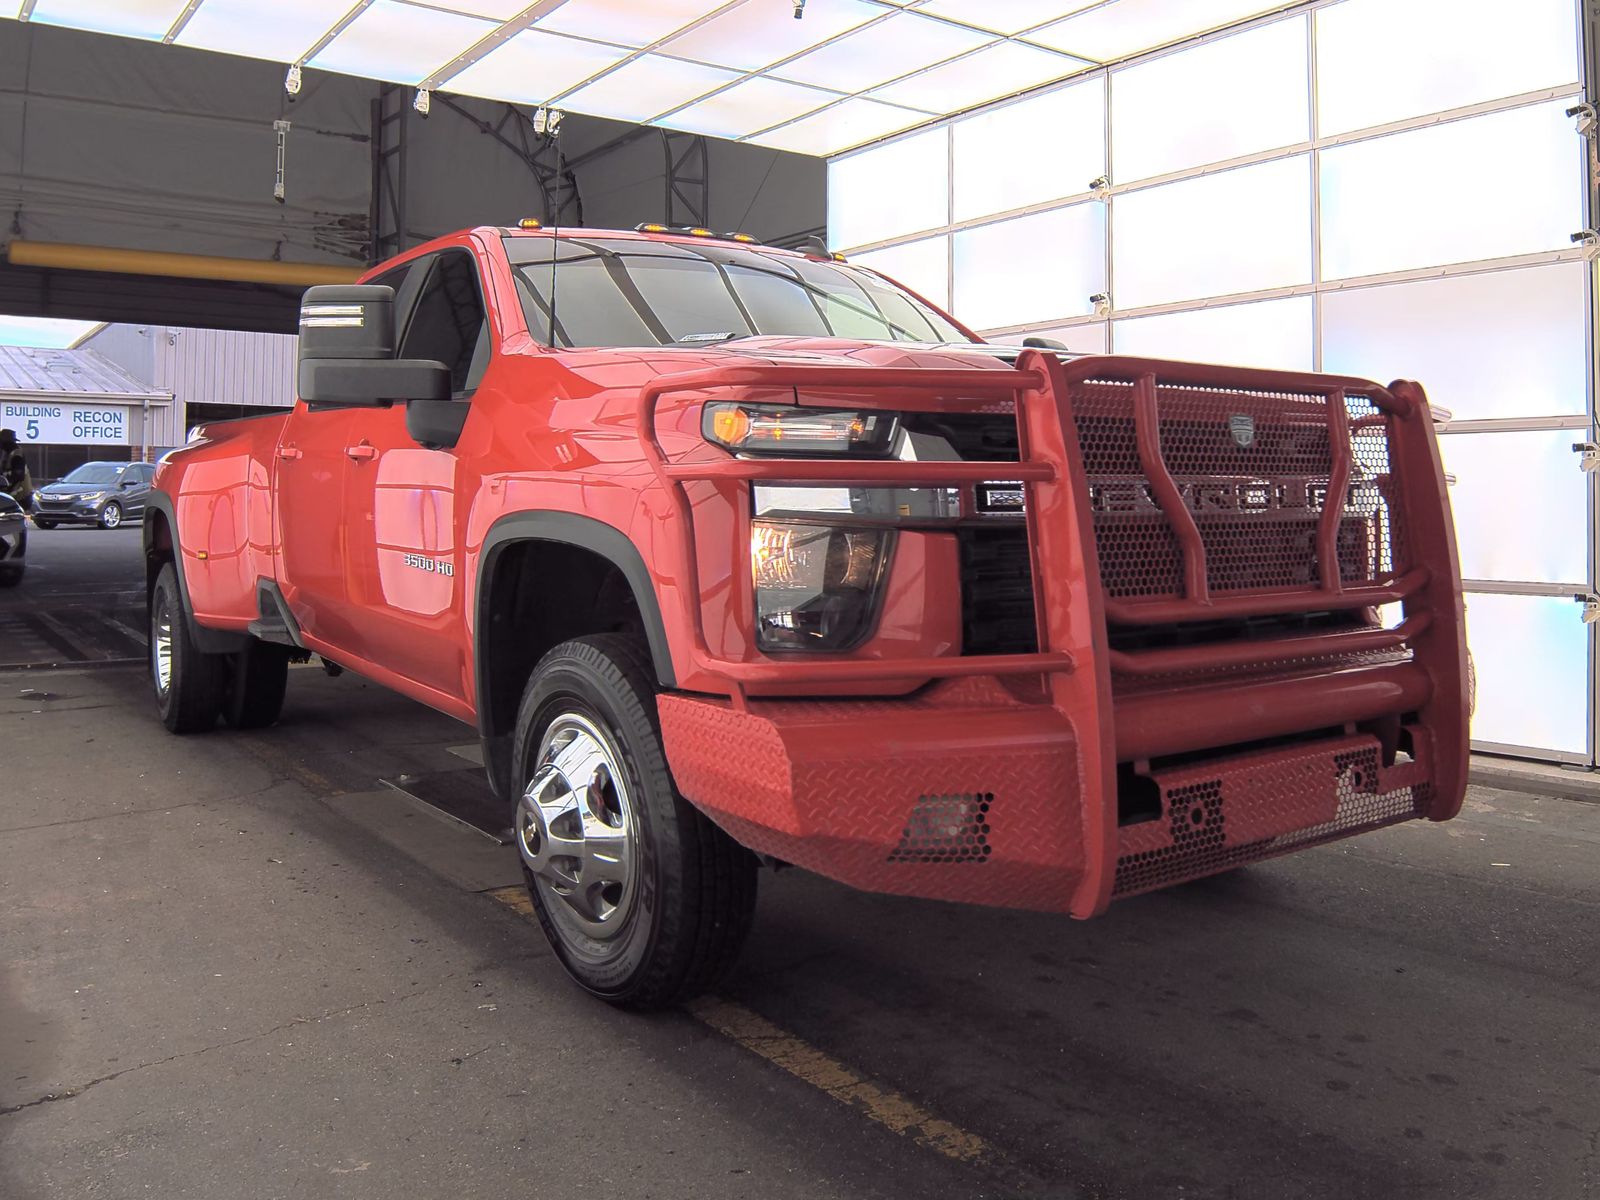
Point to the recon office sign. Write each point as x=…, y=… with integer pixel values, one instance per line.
x=67, y=424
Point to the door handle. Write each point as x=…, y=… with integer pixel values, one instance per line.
x=288, y=453
x=361, y=451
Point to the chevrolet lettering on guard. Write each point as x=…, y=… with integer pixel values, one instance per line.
x=735, y=556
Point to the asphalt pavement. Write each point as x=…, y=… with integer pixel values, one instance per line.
x=238, y=966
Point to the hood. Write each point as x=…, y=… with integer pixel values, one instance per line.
x=62, y=488
x=820, y=351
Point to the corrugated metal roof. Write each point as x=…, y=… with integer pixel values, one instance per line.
x=33, y=370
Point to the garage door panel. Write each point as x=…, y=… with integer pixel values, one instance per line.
x=1520, y=503
x=1532, y=659
x=1526, y=328
x=1236, y=231
x=1031, y=268
x=1485, y=187
x=1242, y=94
x=890, y=191
x=1276, y=334
x=1386, y=60
x=1059, y=136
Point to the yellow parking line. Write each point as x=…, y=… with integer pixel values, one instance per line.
x=809, y=1065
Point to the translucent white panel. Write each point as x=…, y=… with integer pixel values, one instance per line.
x=923, y=266
x=1080, y=339
x=1385, y=60
x=760, y=32
x=1126, y=27
x=998, y=70
x=647, y=87
x=1271, y=333
x=1044, y=148
x=497, y=10
x=1499, y=344
x=1240, y=94
x=1235, y=231
x=889, y=190
x=757, y=103
x=850, y=123
x=532, y=67
x=281, y=34
x=1532, y=658
x=881, y=52
x=131, y=18
x=1521, y=504
x=400, y=42
x=626, y=22
x=1487, y=187
x=1031, y=269
x=1004, y=16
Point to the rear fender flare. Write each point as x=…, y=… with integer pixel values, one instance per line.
x=209, y=641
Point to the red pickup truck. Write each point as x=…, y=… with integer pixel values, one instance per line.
x=738, y=555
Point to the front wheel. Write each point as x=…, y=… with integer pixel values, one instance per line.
x=111, y=515
x=644, y=900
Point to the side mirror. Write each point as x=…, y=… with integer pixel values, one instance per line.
x=347, y=351
x=127, y=483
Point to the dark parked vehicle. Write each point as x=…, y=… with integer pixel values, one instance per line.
x=13, y=541
x=97, y=493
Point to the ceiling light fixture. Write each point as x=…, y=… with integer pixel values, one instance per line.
x=291, y=81
x=423, y=102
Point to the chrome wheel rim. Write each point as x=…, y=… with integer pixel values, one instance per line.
x=112, y=516
x=161, y=643
x=576, y=827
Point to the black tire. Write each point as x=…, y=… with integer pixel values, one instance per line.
x=192, y=697
x=258, y=676
x=111, y=515
x=695, y=887
x=44, y=522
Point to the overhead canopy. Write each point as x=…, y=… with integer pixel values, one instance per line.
x=848, y=72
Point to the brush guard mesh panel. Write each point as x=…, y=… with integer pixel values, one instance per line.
x=1224, y=814
x=1252, y=470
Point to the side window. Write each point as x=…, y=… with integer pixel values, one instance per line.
x=448, y=323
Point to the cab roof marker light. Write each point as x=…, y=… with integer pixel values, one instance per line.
x=651, y=227
x=530, y=223
x=742, y=238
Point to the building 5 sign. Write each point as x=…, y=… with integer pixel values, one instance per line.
x=60, y=424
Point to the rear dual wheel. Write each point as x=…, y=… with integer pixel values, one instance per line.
x=193, y=688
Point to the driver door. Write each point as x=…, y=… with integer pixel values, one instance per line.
x=405, y=506
x=313, y=455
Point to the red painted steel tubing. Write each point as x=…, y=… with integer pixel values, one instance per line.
x=866, y=670
x=1244, y=654
x=1262, y=604
x=863, y=473
x=1147, y=436
x=1333, y=502
x=1202, y=718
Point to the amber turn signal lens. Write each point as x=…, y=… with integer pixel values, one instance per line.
x=730, y=425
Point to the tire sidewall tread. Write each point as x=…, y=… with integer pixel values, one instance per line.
x=697, y=890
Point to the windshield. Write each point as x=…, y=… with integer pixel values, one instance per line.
x=93, y=473
x=623, y=292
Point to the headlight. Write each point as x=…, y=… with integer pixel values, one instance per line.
x=93, y=497
x=816, y=586
x=798, y=432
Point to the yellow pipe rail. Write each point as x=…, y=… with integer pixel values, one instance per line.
x=68, y=257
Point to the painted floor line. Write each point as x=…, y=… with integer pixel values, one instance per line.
x=806, y=1063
